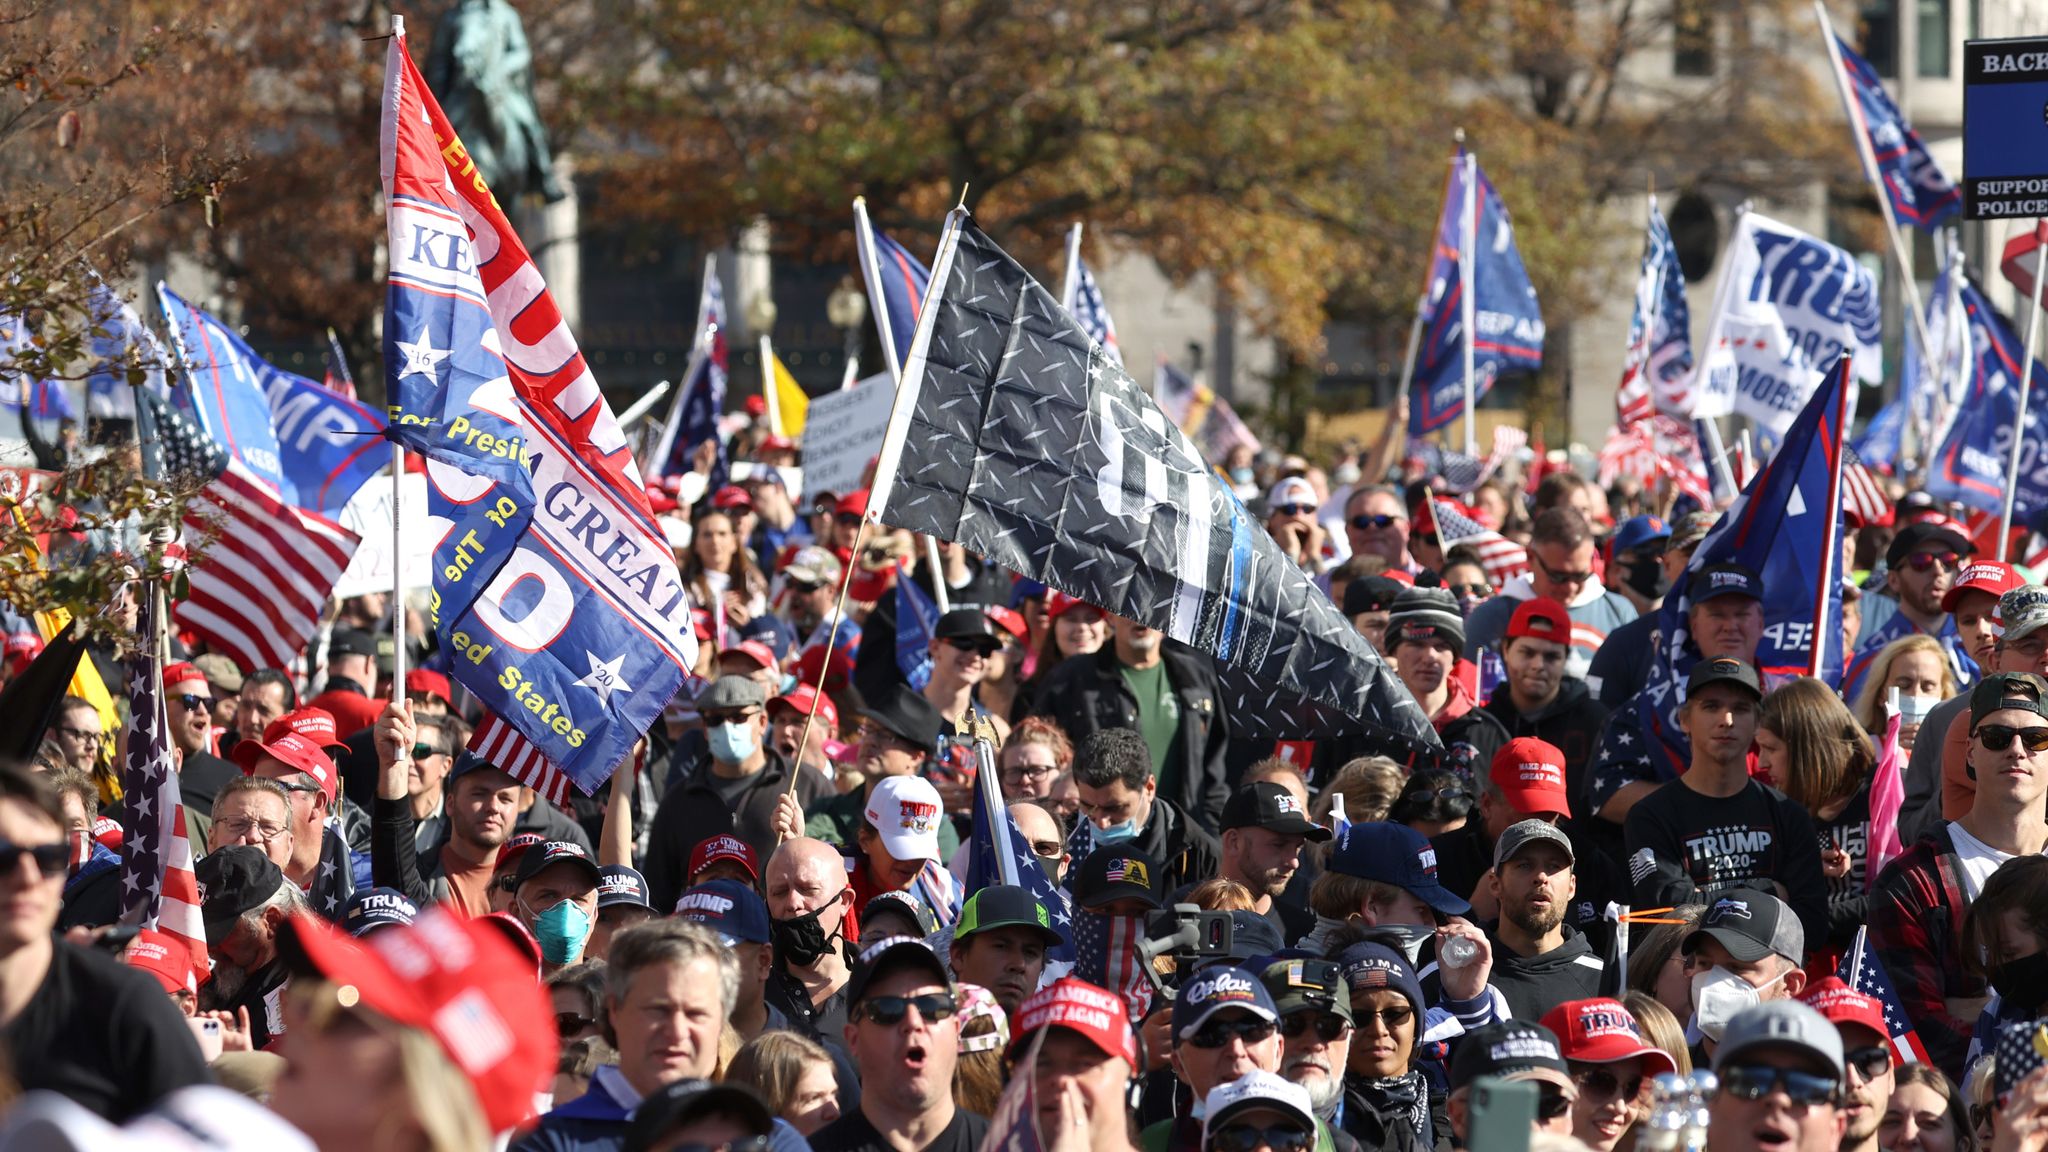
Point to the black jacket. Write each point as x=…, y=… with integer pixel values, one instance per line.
x=1571, y=722
x=200, y=779
x=1187, y=853
x=1533, y=985
x=692, y=811
x=1086, y=693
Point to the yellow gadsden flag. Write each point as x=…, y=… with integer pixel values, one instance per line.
x=791, y=404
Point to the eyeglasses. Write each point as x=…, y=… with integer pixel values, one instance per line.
x=568, y=1024
x=887, y=1010
x=984, y=647
x=82, y=735
x=246, y=827
x=1552, y=1104
x=1397, y=1016
x=1756, y=1081
x=1247, y=1138
x=1557, y=577
x=1999, y=737
x=1328, y=1026
x=51, y=859
x=422, y=751
x=715, y=719
x=1048, y=849
x=1034, y=772
x=1217, y=1033
x=1363, y=522
x=1472, y=591
x=884, y=738
x=300, y=786
x=193, y=703
x=1869, y=1063
x=1294, y=509
x=1922, y=561
x=801, y=587
x=1602, y=1084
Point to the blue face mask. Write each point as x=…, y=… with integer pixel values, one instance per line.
x=1117, y=833
x=731, y=743
x=561, y=931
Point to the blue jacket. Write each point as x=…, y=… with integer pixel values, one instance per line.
x=596, y=1122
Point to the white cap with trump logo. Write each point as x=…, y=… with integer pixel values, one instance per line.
x=905, y=811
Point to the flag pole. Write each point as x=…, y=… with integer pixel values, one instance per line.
x=768, y=395
x=1071, y=286
x=1832, y=554
x=644, y=404
x=871, y=274
x=1856, y=957
x=1468, y=239
x=2012, y=462
x=1408, y=360
x=1715, y=322
x=1908, y=286
x=398, y=582
x=699, y=349
x=911, y=381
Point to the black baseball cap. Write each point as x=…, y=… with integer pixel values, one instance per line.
x=1006, y=906
x=233, y=881
x=1512, y=1050
x=677, y=1103
x=2002, y=690
x=1264, y=804
x=1750, y=925
x=555, y=852
x=890, y=953
x=373, y=908
x=908, y=715
x=1724, y=580
x=1113, y=874
x=1723, y=670
x=1371, y=594
x=618, y=884
x=1921, y=533
x=967, y=624
x=897, y=902
x=351, y=642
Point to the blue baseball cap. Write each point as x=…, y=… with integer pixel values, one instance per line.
x=618, y=884
x=1216, y=989
x=731, y=909
x=373, y=908
x=1395, y=854
x=1639, y=532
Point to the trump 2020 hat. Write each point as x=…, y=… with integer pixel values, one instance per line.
x=619, y=885
x=905, y=812
x=731, y=909
x=1724, y=580
x=1602, y=1031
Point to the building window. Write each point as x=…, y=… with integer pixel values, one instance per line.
x=1933, y=26
x=1881, y=36
x=1692, y=37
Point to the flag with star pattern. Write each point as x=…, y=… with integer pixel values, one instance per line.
x=1002, y=855
x=555, y=592
x=158, y=888
x=1860, y=969
x=1015, y=435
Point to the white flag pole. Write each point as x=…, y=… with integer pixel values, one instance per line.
x=700, y=347
x=768, y=396
x=891, y=456
x=397, y=523
x=1468, y=239
x=1705, y=356
x=2012, y=462
x=871, y=275
x=1071, y=287
x=637, y=410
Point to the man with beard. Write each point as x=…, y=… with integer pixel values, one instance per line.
x=1866, y=1057
x=246, y=899
x=1538, y=960
x=903, y=1030
x=1314, y=1003
x=1264, y=830
x=1001, y=941
x=1224, y=1025
x=1975, y=602
x=480, y=801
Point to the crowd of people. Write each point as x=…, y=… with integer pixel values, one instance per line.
x=760, y=934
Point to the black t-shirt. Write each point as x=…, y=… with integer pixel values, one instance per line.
x=104, y=1035
x=1684, y=846
x=853, y=1133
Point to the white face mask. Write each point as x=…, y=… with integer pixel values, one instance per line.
x=1914, y=709
x=1719, y=995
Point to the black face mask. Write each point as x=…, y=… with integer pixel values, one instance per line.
x=801, y=940
x=2022, y=983
x=1646, y=577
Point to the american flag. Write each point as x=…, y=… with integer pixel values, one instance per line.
x=1106, y=955
x=1861, y=970
x=1508, y=441
x=1862, y=495
x=268, y=567
x=1503, y=558
x=158, y=888
x=1657, y=448
x=338, y=380
x=1002, y=855
x=501, y=744
x=1085, y=304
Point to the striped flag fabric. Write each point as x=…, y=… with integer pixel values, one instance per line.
x=1503, y=558
x=1106, y=955
x=1085, y=304
x=158, y=887
x=1860, y=969
x=1002, y=854
x=1862, y=494
x=266, y=567
x=1508, y=442
x=502, y=745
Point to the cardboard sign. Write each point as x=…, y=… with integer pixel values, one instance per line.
x=843, y=432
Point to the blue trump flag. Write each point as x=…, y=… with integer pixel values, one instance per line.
x=693, y=418
x=316, y=447
x=1883, y=439
x=1969, y=467
x=897, y=287
x=1786, y=527
x=1921, y=194
x=1508, y=325
x=1002, y=855
x=916, y=616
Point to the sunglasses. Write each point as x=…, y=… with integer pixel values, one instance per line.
x=1601, y=1084
x=1999, y=737
x=422, y=751
x=1217, y=1033
x=194, y=703
x=568, y=1024
x=51, y=859
x=1363, y=522
x=1472, y=591
x=1294, y=509
x=1389, y=1018
x=932, y=1006
x=1922, y=561
x=1756, y=1081
x=1248, y=1138
x=1557, y=577
x=1869, y=1063
x=1328, y=1027
x=846, y=520
x=715, y=719
x=984, y=647
x=1426, y=539
x=1552, y=1104
x=1048, y=849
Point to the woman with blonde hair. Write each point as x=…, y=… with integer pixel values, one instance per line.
x=1918, y=667
x=1811, y=749
x=1369, y=786
x=793, y=1074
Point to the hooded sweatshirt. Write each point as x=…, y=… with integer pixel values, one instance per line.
x=1533, y=985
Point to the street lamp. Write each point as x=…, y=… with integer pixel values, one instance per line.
x=761, y=314
x=847, y=309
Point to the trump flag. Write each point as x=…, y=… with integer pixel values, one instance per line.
x=1970, y=465
x=1508, y=325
